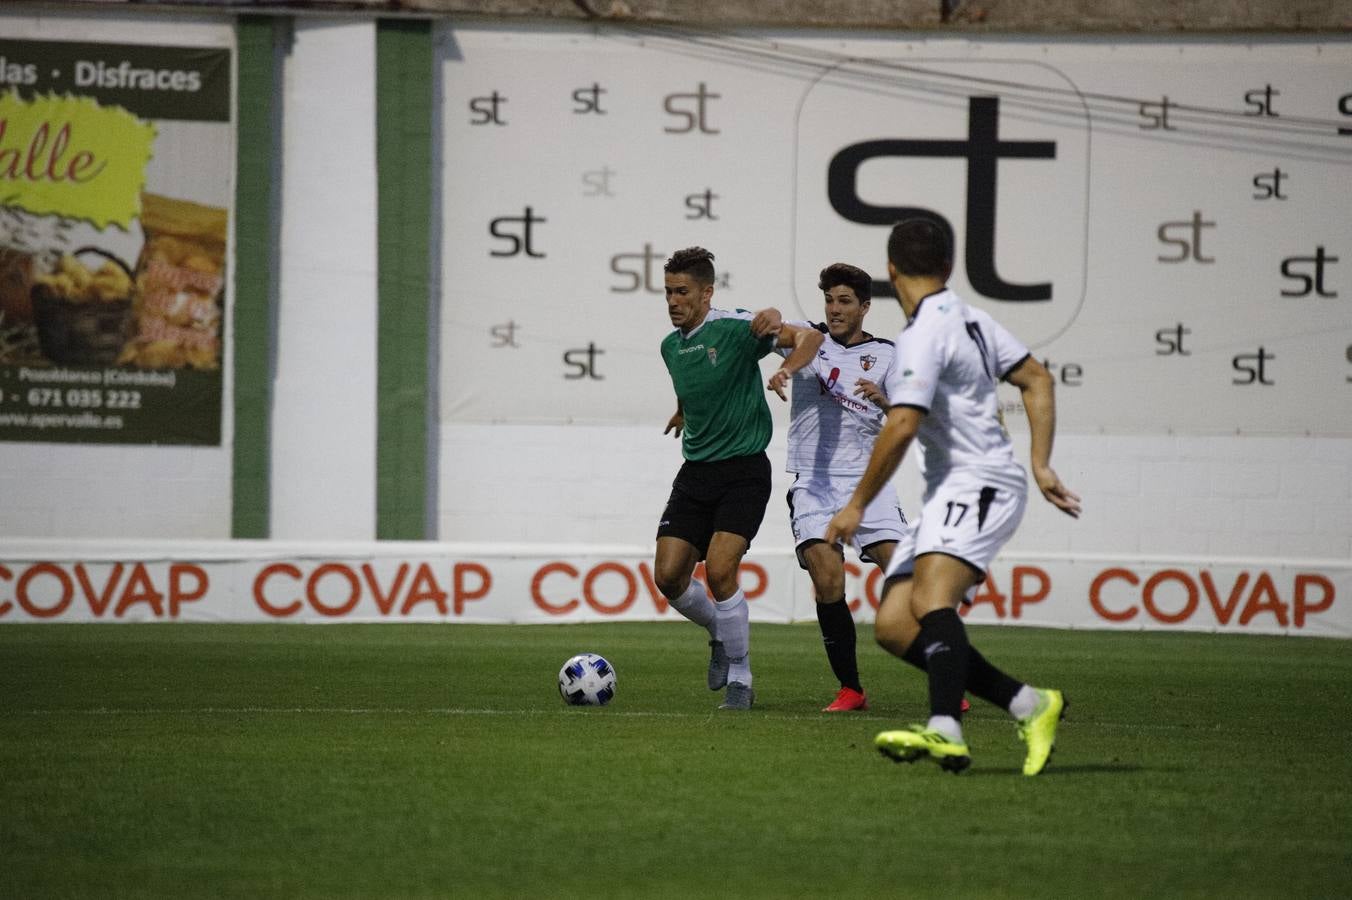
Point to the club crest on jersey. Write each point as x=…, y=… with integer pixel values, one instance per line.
x=713, y=356
x=867, y=362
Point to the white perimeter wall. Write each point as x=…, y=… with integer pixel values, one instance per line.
x=1287, y=497
x=324, y=395
x=1193, y=496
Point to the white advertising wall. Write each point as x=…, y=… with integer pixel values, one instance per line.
x=1164, y=223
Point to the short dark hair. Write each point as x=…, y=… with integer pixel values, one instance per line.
x=852, y=277
x=697, y=262
x=919, y=247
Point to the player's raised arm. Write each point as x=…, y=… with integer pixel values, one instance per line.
x=766, y=322
x=805, y=343
x=1036, y=385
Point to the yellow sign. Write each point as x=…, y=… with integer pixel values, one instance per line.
x=71, y=157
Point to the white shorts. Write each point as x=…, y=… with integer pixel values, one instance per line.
x=815, y=499
x=967, y=517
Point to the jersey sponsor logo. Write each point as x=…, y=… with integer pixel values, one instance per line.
x=867, y=362
x=852, y=404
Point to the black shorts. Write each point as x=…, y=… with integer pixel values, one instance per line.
x=724, y=495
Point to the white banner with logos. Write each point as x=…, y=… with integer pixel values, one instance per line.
x=1163, y=222
x=260, y=581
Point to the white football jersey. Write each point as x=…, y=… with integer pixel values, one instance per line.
x=831, y=431
x=950, y=357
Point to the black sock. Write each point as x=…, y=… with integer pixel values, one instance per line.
x=837, y=627
x=989, y=683
x=943, y=641
x=983, y=679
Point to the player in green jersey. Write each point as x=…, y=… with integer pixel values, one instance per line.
x=719, y=495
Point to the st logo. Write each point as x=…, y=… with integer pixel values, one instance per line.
x=969, y=145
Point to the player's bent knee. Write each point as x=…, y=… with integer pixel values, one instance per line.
x=722, y=574
x=891, y=638
x=671, y=582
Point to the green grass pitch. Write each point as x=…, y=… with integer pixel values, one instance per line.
x=438, y=761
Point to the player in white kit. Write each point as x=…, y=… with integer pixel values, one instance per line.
x=836, y=412
x=943, y=391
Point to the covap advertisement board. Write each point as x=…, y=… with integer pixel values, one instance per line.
x=262, y=581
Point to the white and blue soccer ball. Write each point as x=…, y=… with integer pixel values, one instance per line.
x=587, y=679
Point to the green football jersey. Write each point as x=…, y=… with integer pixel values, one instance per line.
x=718, y=381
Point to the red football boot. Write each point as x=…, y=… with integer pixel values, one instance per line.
x=848, y=699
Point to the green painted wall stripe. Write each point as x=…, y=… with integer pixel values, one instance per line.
x=404, y=117
x=256, y=143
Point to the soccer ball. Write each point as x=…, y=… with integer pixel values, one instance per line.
x=587, y=680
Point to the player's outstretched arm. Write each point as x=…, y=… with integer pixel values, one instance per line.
x=1036, y=385
x=805, y=343
x=888, y=450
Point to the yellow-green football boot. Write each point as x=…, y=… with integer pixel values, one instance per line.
x=1038, y=730
x=909, y=744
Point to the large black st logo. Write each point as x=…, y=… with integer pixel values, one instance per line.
x=983, y=150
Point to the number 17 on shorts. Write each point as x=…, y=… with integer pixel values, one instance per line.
x=970, y=519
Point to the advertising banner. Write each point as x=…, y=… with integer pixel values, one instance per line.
x=116, y=167
x=247, y=581
x=1164, y=223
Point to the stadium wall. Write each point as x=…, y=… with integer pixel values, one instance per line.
x=1225, y=491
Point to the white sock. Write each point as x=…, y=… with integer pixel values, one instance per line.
x=947, y=726
x=1024, y=703
x=733, y=628
x=731, y=625
x=739, y=670
x=694, y=605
